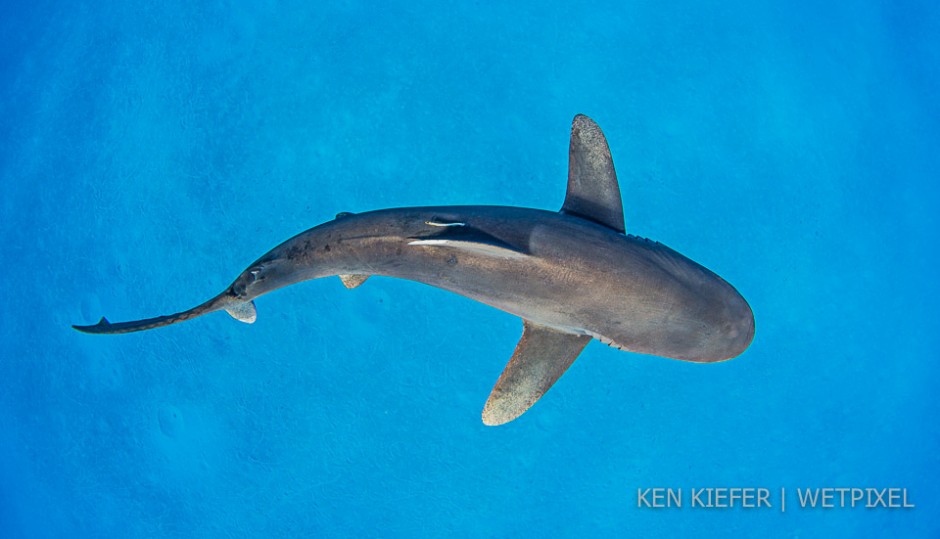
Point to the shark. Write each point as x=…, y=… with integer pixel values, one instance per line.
x=572, y=276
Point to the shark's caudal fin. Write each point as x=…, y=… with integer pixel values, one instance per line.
x=243, y=311
x=541, y=357
x=593, y=191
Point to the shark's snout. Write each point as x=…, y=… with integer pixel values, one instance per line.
x=737, y=331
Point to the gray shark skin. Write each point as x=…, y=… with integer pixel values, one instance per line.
x=572, y=276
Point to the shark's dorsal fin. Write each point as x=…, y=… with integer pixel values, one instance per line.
x=459, y=236
x=593, y=192
x=353, y=280
x=541, y=357
x=489, y=249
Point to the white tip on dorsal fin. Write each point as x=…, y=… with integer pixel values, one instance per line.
x=593, y=191
x=439, y=223
x=541, y=357
x=243, y=312
x=352, y=281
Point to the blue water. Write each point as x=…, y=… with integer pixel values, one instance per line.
x=149, y=153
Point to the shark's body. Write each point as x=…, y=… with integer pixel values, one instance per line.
x=571, y=276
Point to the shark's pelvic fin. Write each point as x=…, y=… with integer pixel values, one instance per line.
x=243, y=312
x=593, y=191
x=541, y=357
x=352, y=281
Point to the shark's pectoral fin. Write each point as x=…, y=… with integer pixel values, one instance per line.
x=243, y=312
x=541, y=357
x=352, y=281
x=593, y=191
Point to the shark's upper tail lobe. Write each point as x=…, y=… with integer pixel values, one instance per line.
x=240, y=310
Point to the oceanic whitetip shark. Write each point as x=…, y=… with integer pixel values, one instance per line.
x=572, y=276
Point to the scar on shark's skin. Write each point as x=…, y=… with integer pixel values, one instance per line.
x=572, y=276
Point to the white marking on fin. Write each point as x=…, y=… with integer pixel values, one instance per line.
x=428, y=242
x=435, y=223
x=353, y=280
x=243, y=312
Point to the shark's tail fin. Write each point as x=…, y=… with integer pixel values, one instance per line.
x=243, y=311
